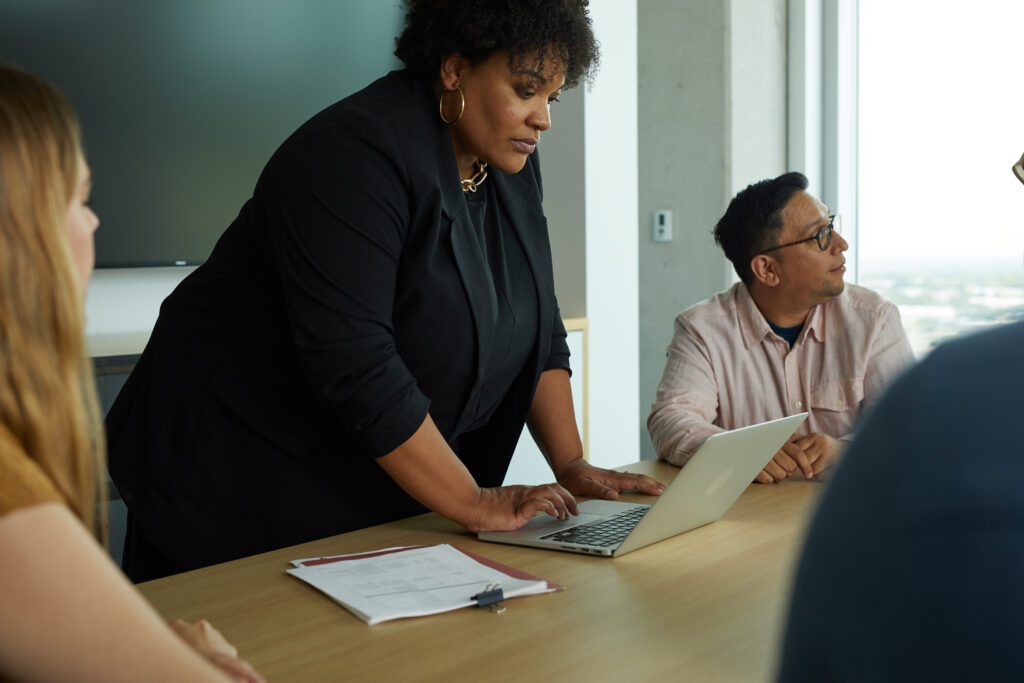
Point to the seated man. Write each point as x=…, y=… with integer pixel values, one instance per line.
x=790, y=337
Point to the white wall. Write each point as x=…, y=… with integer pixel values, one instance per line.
x=712, y=120
x=757, y=95
x=122, y=304
x=561, y=159
x=610, y=117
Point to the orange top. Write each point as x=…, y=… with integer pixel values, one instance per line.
x=22, y=482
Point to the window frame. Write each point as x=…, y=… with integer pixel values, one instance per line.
x=822, y=46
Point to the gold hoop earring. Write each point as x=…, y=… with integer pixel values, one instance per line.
x=462, y=106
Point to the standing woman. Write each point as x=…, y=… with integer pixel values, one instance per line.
x=66, y=612
x=370, y=335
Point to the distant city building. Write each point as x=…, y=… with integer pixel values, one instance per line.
x=941, y=301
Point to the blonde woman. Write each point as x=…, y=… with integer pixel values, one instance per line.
x=66, y=612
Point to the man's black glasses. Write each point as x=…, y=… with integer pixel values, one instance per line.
x=823, y=235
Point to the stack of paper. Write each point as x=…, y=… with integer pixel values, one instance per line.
x=412, y=581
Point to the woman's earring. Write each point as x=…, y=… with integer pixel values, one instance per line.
x=462, y=106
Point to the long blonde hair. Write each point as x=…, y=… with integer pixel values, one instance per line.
x=47, y=394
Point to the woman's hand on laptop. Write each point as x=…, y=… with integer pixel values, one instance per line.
x=583, y=479
x=506, y=508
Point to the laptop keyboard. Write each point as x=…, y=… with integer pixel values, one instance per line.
x=605, y=533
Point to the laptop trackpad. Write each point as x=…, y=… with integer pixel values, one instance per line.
x=590, y=511
x=545, y=524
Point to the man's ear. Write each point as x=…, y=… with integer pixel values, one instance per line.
x=765, y=269
x=451, y=70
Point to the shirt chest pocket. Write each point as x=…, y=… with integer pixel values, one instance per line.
x=838, y=396
x=836, y=406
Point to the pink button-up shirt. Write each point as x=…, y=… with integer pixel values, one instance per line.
x=727, y=369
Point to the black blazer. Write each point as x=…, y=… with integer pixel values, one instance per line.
x=348, y=299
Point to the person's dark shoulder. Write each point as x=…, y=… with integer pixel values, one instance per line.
x=388, y=119
x=998, y=348
x=390, y=102
x=970, y=375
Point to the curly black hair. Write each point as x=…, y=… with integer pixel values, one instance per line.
x=754, y=218
x=548, y=29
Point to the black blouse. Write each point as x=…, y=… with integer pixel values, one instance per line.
x=515, y=297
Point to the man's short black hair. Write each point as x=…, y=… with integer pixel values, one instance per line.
x=754, y=218
x=557, y=30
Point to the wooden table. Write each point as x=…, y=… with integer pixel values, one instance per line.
x=707, y=605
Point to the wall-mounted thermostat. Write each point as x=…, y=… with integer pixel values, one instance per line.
x=662, y=226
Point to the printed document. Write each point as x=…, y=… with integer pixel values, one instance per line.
x=413, y=581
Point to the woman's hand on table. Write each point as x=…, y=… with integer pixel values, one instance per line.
x=583, y=479
x=506, y=508
x=202, y=637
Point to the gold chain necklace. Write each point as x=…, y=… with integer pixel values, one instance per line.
x=472, y=184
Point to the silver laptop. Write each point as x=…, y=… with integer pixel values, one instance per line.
x=712, y=480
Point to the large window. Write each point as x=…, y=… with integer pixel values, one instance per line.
x=941, y=120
